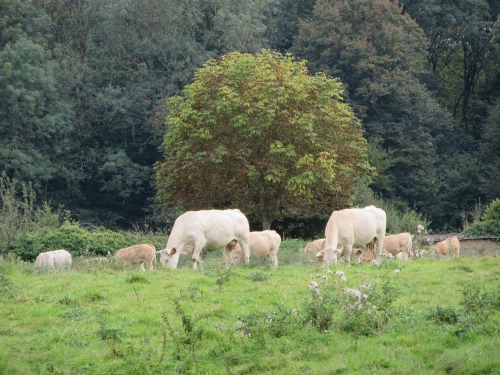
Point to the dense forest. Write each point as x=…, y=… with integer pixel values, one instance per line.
x=83, y=87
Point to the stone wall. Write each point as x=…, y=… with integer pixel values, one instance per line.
x=478, y=247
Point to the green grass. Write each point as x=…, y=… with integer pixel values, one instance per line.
x=435, y=317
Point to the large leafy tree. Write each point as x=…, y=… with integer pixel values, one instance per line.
x=379, y=54
x=259, y=133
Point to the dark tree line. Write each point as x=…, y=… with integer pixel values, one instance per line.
x=83, y=85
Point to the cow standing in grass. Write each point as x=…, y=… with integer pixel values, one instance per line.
x=399, y=243
x=261, y=244
x=52, y=260
x=210, y=229
x=353, y=227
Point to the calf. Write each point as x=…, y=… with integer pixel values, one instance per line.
x=261, y=244
x=138, y=254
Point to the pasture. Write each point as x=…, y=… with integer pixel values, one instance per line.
x=436, y=316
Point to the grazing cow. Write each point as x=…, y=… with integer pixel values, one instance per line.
x=312, y=248
x=143, y=254
x=367, y=256
x=363, y=255
x=456, y=245
x=353, y=227
x=260, y=244
x=52, y=260
x=396, y=243
x=442, y=248
x=210, y=229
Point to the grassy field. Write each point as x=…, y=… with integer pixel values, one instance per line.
x=434, y=317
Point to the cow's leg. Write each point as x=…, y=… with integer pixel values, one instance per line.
x=197, y=247
x=274, y=256
x=245, y=250
x=229, y=253
x=378, y=251
x=275, y=260
x=348, y=251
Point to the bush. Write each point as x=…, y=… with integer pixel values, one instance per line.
x=489, y=223
x=72, y=238
x=18, y=213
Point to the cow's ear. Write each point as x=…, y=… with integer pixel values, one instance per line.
x=173, y=251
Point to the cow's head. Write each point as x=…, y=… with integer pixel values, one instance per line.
x=169, y=257
x=328, y=256
x=358, y=254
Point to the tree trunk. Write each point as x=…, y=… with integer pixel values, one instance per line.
x=264, y=214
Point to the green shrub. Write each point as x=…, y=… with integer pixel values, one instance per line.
x=108, y=241
x=319, y=309
x=71, y=237
x=446, y=315
x=137, y=278
x=489, y=223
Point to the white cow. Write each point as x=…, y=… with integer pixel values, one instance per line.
x=353, y=227
x=261, y=244
x=210, y=229
x=52, y=260
x=143, y=254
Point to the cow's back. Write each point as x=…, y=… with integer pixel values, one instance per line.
x=263, y=243
x=53, y=259
x=139, y=254
x=396, y=243
x=355, y=225
x=260, y=244
x=216, y=227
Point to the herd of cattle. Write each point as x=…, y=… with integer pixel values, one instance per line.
x=358, y=232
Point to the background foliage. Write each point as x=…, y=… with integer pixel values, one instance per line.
x=84, y=84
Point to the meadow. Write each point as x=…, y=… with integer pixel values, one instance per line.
x=436, y=316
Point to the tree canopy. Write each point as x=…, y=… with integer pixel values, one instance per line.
x=257, y=132
x=83, y=85
x=379, y=55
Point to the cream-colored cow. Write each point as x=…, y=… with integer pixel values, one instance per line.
x=261, y=244
x=143, y=254
x=443, y=247
x=313, y=247
x=210, y=229
x=52, y=260
x=397, y=243
x=353, y=227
